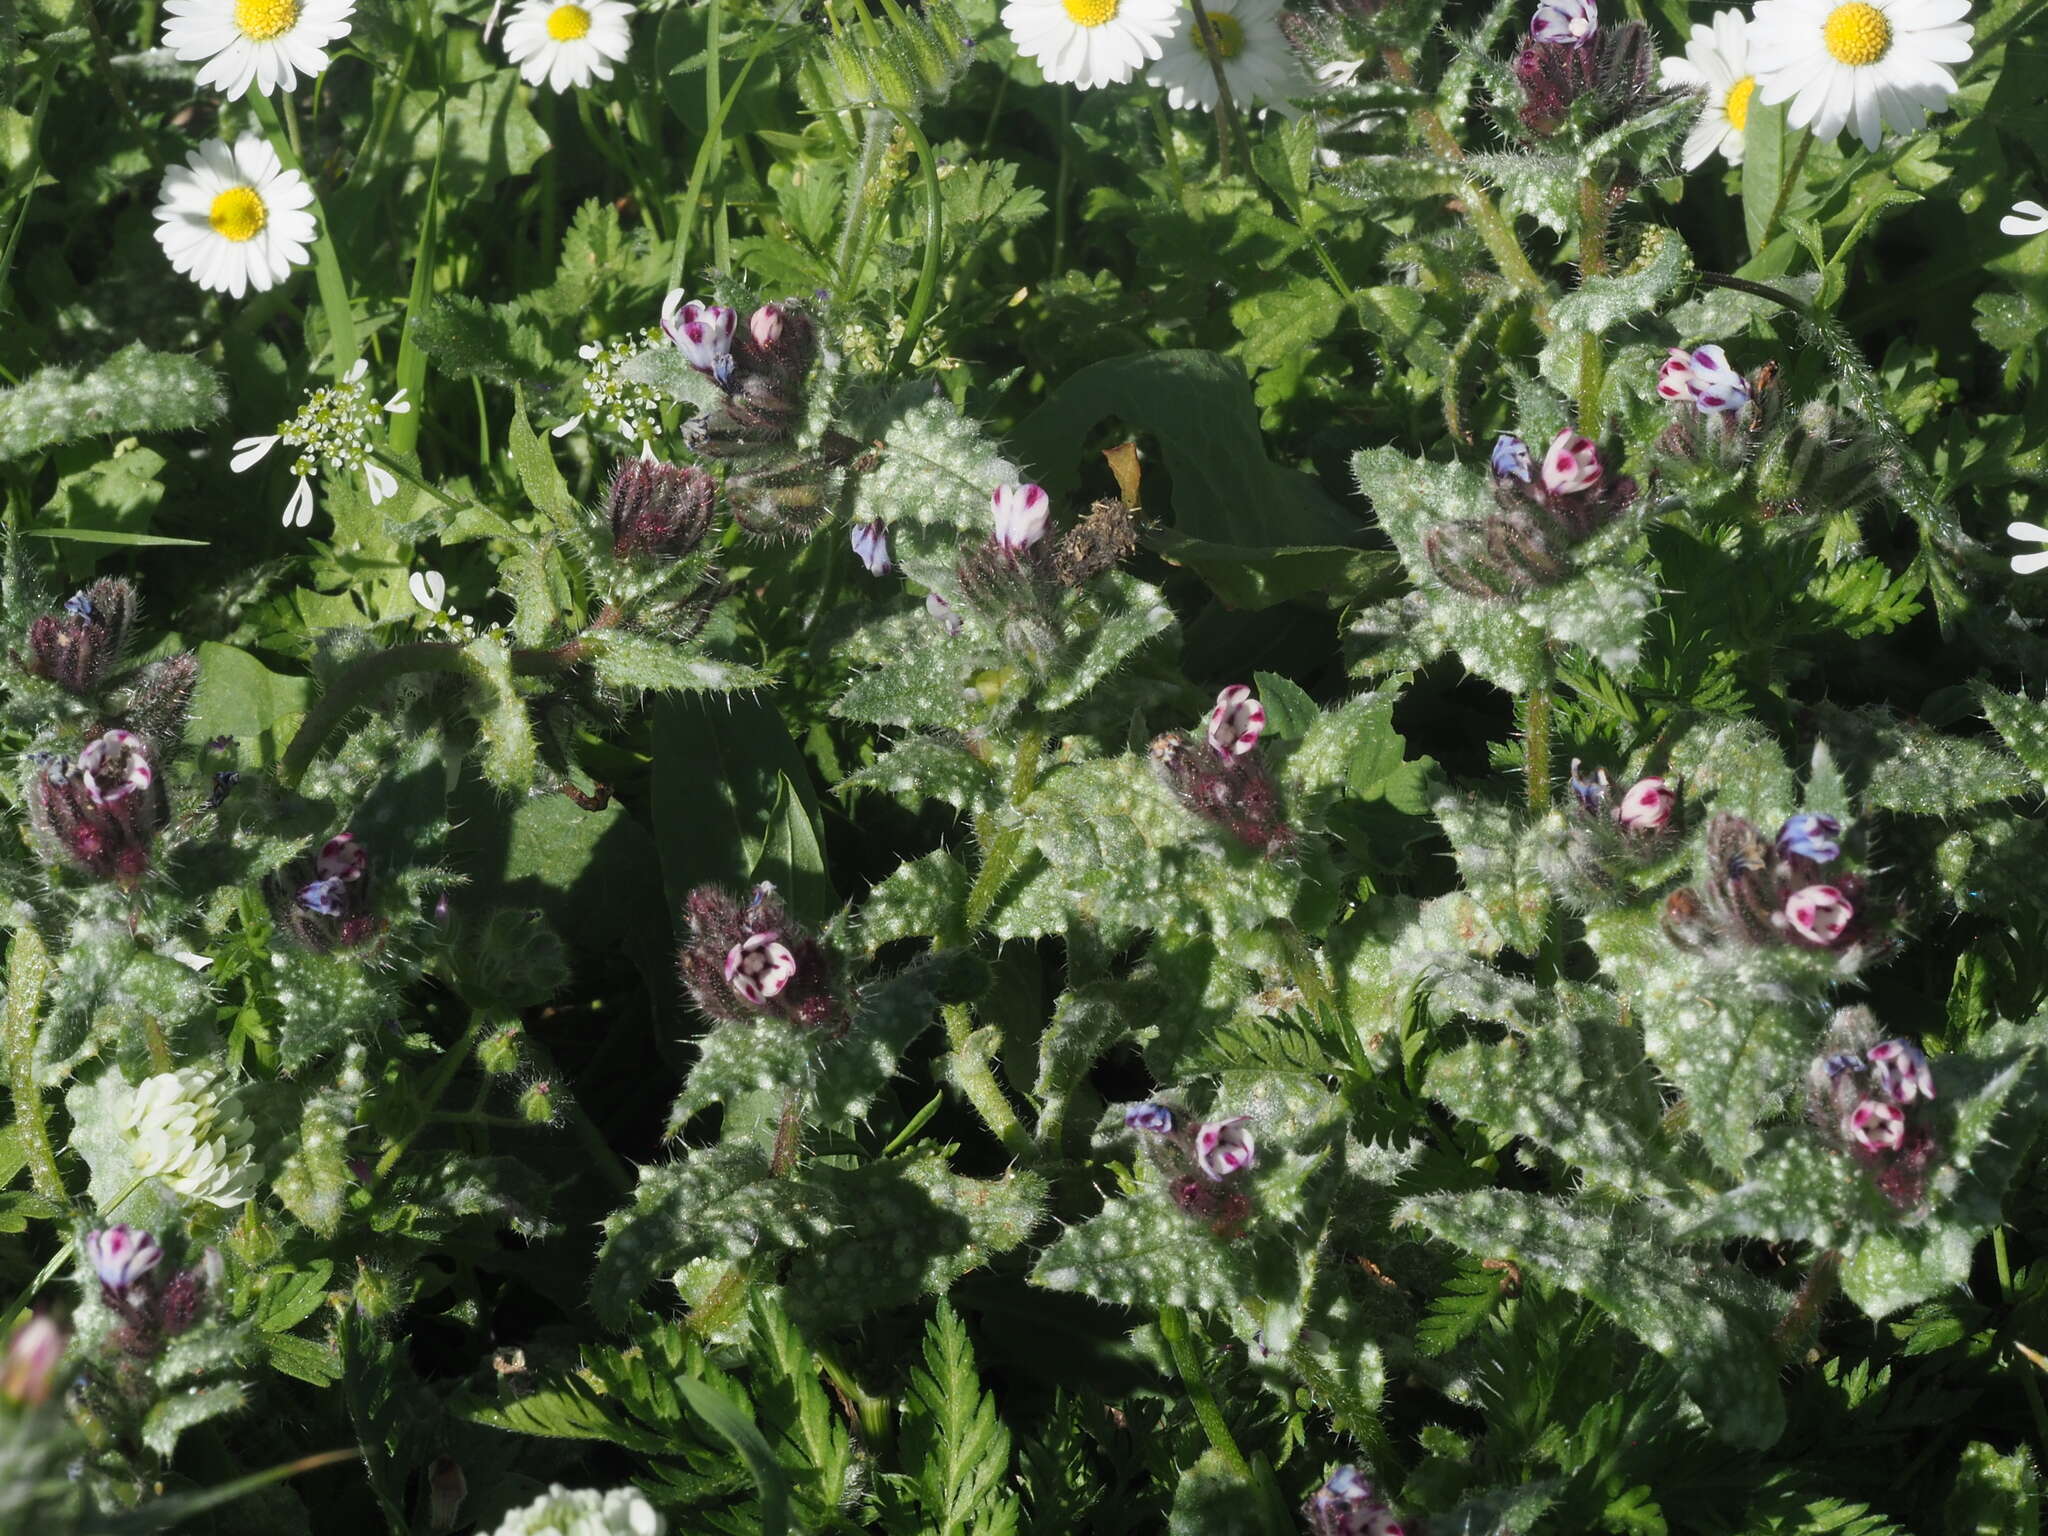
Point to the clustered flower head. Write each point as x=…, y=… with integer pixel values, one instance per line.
x=331, y=432
x=1346, y=1505
x=1703, y=379
x=612, y=400
x=1202, y=1162
x=1568, y=56
x=1545, y=513
x=660, y=511
x=1222, y=780
x=98, y=812
x=746, y=959
x=188, y=1132
x=84, y=643
x=1243, y=37
x=1870, y=1100
x=585, y=1512
x=1772, y=892
x=324, y=903
x=126, y=1261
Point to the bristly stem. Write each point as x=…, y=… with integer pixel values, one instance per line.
x=28, y=972
x=2028, y=1385
x=1536, y=741
x=1804, y=1312
x=1594, y=216
x=928, y=274
x=1173, y=1327
x=971, y=1070
x=1785, y=187
x=342, y=341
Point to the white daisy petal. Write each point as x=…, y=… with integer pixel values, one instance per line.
x=2026, y=565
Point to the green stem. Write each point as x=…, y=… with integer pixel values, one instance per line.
x=1061, y=182
x=406, y=473
x=444, y=1074
x=1785, y=187
x=972, y=1072
x=711, y=147
x=1173, y=1327
x=35, y=166
x=342, y=342
x=2028, y=1385
x=1536, y=743
x=1228, y=128
x=928, y=277
x=28, y=973
x=1164, y=126
x=873, y=142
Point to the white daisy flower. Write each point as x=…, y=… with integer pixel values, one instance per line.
x=1256, y=59
x=2030, y=533
x=1716, y=61
x=2025, y=219
x=1870, y=64
x=568, y=44
x=268, y=42
x=1086, y=43
x=331, y=428
x=233, y=218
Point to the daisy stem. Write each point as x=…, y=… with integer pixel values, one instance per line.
x=1059, y=186
x=1785, y=187
x=1166, y=150
x=342, y=343
x=1227, y=126
x=1495, y=231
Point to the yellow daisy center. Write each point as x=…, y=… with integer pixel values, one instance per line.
x=566, y=23
x=1737, y=108
x=1228, y=33
x=1090, y=13
x=238, y=214
x=262, y=20
x=1857, y=34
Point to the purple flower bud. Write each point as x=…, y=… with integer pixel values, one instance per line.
x=80, y=647
x=1877, y=1125
x=114, y=767
x=342, y=857
x=765, y=325
x=1592, y=791
x=1844, y=1061
x=1224, y=1147
x=1901, y=1070
x=1808, y=836
x=79, y=605
x=1818, y=915
x=1236, y=722
x=942, y=611
x=701, y=332
x=30, y=1366
x=1022, y=512
x=1347, y=1506
x=1571, y=22
x=759, y=967
x=1511, y=459
x=1571, y=464
x=121, y=1256
x=1648, y=806
x=660, y=510
x=1156, y=1118
x=871, y=544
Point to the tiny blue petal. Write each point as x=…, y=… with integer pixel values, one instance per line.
x=1156, y=1118
x=327, y=897
x=871, y=544
x=1811, y=837
x=78, y=605
x=1511, y=459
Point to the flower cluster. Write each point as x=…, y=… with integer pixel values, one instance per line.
x=1649, y=808
x=83, y=644
x=1771, y=893
x=585, y=1512
x=1019, y=574
x=1545, y=513
x=612, y=400
x=331, y=430
x=1702, y=379
x=1202, y=1161
x=125, y=1260
x=265, y=43
x=98, y=812
x=323, y=904
x=1221, y=780
x=1569, y=58
x=1346, y=1505
x=1870, y=1100
x=745, y=960
x=185, y=1130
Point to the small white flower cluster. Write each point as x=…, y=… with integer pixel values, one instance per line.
x=585, y=1512
x=1869, y=65
x=1090, y=43
x=612, y=400
x=331, y=431
x=184, y=1130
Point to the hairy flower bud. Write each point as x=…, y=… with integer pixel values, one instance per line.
x=1571, y=464
x=325, y=903
x=759, y=967
x=1156, y=1119
x=747, y=959
x=1648, y=808
x=99, y=813
x=1819, y=915
x=779, y=342
x=1234, y=793
x=82, y=645
x=183, y=1301
x=160, y=701
x=658, y=510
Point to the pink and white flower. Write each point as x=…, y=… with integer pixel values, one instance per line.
x=1818, y=914
x=1648, y=806
x=702, y=332
x=29, y=1368
x=759, y=967
x=121, y=1256
x=1022, y=515
x=115, y=767
x=1571, y=464
x=1901, y=1070
x=1224, y=1147
x=1877, y=1126
x=1570, y=22
x=942, y=612
x=342, y=857
x=1237, y=721
x=1704, y=378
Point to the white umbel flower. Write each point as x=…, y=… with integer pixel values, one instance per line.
x=1086, y=43
x=184, y=1130
x=2026, y=219
x=1865, y=64
x=232, y=218
x=585, y=1512
x=331, y=431
x=2028, y=533
x=1717, y=62
x=1256, y=59
x=269, y=43
x=568, y=44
